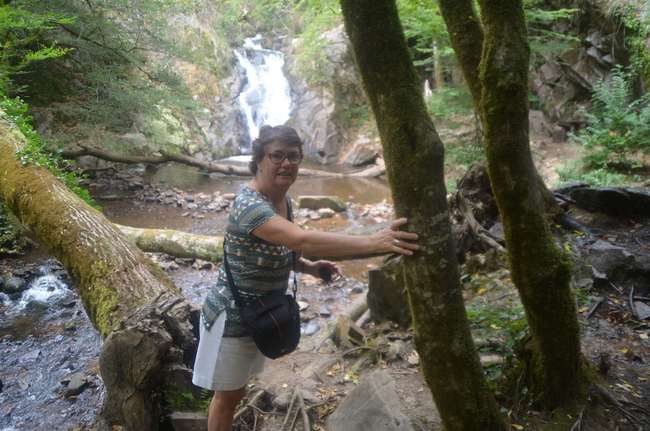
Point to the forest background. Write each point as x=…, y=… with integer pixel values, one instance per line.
x=138, y=77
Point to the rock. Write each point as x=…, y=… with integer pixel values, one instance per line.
x=311, y=329
x=13, y=285
x=281, y=402
x=76, y=385
x=616, y=201
x=318, y=202
x=188, y=421
x=397, y=349
x=559, y=134
x=538, y=124
x=30, y=356
x=326, y=213
x=387, y=297
x=372, y=406
x=324, y=311
x=363, y=152
x=642, y=310
x=608, y=259
x=37, y=305
x=229, y=196
x=414, y=359
x=492, y=359
x=346, y=329
x=315, y=115
x=497, y=230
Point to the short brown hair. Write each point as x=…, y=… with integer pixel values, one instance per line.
x=268, y=135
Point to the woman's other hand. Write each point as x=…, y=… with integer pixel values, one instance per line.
x=313, y=268
x=395, y=240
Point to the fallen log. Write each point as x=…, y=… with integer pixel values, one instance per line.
x=176, y=243
x=207, y=247
x=137, y=309
x=206, y=165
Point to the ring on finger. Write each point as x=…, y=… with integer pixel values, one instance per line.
x=396, y=241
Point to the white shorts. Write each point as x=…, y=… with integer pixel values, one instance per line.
x=225, y=364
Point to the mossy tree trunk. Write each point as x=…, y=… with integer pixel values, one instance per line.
x=539, y=269
x=136, y=308
x=414, y=163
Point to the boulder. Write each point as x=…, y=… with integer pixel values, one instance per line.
x=387, y=297
x=372, y=406
x=609, y=259
x=188, y=421
x=362, y=152
x=76, y=385
x=12, y=285
x=318, y=202
x=617, y=201
x=316, y=114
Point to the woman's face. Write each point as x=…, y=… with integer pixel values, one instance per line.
x=283, y=174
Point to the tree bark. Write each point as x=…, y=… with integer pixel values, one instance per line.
x=135, y=307
x=206, y=165
x=414, y=164
x=539, y=270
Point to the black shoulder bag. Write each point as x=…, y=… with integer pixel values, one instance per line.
x=273, y=321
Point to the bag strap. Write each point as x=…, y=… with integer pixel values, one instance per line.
x=233, y=287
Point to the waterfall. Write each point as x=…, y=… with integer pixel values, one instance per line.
x=265, y=97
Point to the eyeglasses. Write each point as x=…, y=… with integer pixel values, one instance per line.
x=278, y=158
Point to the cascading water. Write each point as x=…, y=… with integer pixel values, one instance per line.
x=266, y=95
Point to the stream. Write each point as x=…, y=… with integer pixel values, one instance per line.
x=46, y=337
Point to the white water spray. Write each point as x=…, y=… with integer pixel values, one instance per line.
x=266, y=97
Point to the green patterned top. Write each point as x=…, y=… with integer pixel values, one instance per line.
x=258, y=267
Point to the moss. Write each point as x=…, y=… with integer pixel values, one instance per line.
x=101, y=300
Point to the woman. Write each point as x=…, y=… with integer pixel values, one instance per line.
x=263, y=246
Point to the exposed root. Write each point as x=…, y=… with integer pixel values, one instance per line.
x=250, y=405
x=299, y=402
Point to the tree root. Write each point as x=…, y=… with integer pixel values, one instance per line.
x=607, y=396
x=250, y=405
x=578, y=425
x=299, y=402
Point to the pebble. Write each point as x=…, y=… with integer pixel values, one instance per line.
x=311, y=329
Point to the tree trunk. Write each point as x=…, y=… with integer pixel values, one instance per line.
x=539, y=270
x=414, y=164
x=135, y=307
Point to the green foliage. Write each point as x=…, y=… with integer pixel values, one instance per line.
x=597, y=177
x=450, y=101
x=619, y=130
x=318, y=17
x=179, y=400
x=22, y=36
x=636, y=18
x=424, y=26
x=508, y=325
x=542, y=39
x=37, y=151
x=11, y=238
